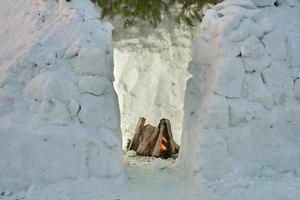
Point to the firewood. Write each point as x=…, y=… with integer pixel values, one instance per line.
x=150, y=143
x=153, y=139
x=128, y=143
x=137, y=134
x=171, y=145
x=147, y=132
x=177, y=147
x=149, y=140
x=164, y=140
x=156, y=149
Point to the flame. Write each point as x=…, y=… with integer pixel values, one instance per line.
x=163, y=148
x=164, y=144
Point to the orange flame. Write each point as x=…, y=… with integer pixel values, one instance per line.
x=164, y=144
x=163, y=148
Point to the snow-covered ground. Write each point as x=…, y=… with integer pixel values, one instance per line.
x=150, y=179
x=59, y=117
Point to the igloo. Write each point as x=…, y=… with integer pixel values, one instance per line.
x=60, y=115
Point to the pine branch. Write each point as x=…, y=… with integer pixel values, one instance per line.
x=190, y=12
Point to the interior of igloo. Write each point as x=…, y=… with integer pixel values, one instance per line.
x=150, y=68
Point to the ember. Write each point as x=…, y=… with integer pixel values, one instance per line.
x=154, y=141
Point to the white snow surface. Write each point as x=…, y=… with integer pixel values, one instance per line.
x=146, y=181
x=59, y=114
x=242, y=108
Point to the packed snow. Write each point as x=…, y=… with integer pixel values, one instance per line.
x=242, y=112
x=59, y=114
x=60, y=135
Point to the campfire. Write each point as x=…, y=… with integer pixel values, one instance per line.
x=158, y=141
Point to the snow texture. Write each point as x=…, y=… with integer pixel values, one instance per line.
x=145, y=176
x=151, y=73
x=242, y=106
x=59, y=114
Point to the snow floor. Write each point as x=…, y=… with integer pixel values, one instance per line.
x=152, y=178
x=145, y=180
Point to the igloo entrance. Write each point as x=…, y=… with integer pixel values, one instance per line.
x=151, y=73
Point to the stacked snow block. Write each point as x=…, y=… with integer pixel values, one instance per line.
x=242, y=109
x=59, y=114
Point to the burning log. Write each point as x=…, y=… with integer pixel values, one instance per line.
x=171, y=145
x=138, y=132
x=157, y=148
x=149, y=134
x=152, y=141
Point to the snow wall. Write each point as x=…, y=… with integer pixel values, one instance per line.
x=242, y=106
x=151, y=73
x=59, y=114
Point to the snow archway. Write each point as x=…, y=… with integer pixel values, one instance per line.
x=151, y=73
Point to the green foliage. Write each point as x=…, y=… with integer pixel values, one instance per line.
x=152, y=10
